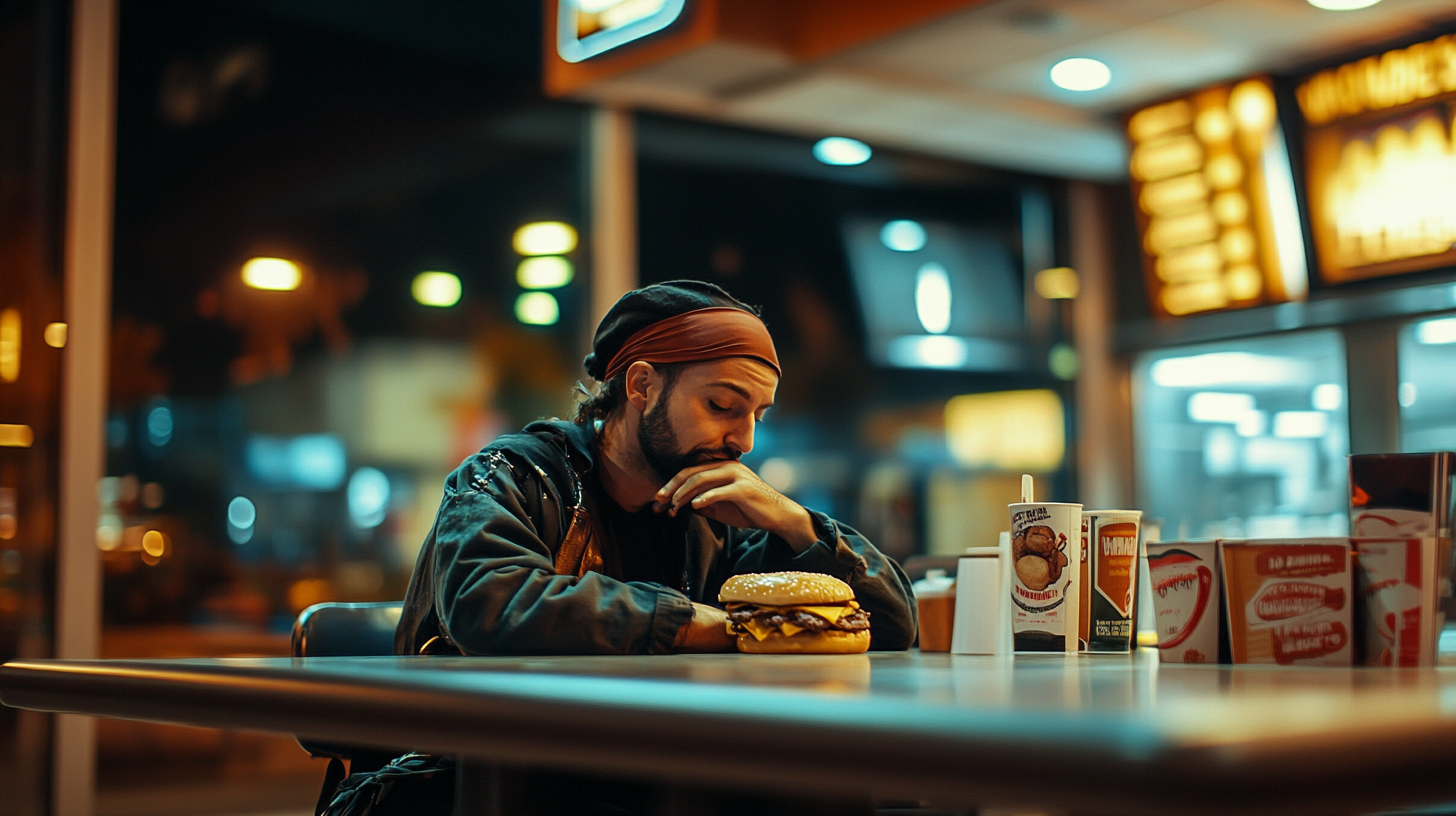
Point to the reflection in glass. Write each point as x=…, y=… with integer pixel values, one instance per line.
x=1244, y=439
x=1427, y=392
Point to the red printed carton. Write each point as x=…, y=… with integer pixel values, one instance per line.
x=1184, y=577
x=1396, y=581
x=1289, y=601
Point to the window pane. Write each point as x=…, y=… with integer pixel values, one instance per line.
x=1428, y=385
x=1245, y=438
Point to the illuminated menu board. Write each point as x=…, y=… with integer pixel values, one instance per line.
x=586, y=28
x=1381, y=158
x=1215, y=198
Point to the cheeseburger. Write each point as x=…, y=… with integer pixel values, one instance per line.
x=794, y=612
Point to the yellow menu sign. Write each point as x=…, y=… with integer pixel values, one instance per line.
x=1381, y=158
x=1215, y=199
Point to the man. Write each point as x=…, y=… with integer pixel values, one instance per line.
x=613, y=534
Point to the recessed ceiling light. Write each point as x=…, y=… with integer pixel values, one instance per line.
x=1081, y=74
x=1342, y=5
x=842, y=151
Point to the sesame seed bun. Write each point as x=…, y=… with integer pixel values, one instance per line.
x=785, y=589
x=830, y=641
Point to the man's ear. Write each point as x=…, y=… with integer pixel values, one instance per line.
x=642, y=380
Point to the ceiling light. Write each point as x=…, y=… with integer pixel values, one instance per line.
x=544, y=272
x=932, y=298
x=841, y=151
x=276, y=274
x=1081, y=74
x=903, y=236
x=436, y=289
x=1342, y=5
x=1436, y=332
x=544, y=238
x=537, y=309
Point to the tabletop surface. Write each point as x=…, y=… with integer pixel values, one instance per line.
x=1101, y=733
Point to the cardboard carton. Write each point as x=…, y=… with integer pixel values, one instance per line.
x=1289, y=601
x=1187, y=598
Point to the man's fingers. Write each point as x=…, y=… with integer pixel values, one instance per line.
x=681, y=476
x=699, y=482
x=708, y=497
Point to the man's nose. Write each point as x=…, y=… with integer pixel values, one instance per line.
x=740, y=438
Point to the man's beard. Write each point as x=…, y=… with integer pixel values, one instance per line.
x=658, y=442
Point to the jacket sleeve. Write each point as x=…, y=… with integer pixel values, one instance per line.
x=496, y=589
x=879, y=585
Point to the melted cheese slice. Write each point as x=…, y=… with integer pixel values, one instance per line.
x=829, y=613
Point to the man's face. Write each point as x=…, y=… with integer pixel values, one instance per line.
x=708, y=413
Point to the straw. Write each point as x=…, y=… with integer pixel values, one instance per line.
x=1026, y=488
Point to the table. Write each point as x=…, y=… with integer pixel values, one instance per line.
x=1095, y=734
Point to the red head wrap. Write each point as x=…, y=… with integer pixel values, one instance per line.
x=697, y=336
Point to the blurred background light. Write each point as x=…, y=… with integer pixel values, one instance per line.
x=1437, y=332
x=1081, y=74
x=436, y=289
x=1301, y=424
x=276, y=274
x=159, y=425
x=1214, y=406
x=1327, y=396
x=932, y=351
x=1007, y=430
x=1227, y=368
x=241, y=516
x=1062, y=362
x=1406, y=394
x=10, y=345
x=1057, y=283
x=903, y=235
x=55, y=335
x=932, y=298
x=306, y=462
x=544, y=238
x=841, y=151
x=16, y=436
x=368, y=496
x=779, y=473
x=1342, y=5
x=537, y=309
x=154, y=544
x=544, y=272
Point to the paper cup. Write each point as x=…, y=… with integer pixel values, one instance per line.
x=1046, y=553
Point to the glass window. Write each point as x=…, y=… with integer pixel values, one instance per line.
x=1427, y=391
x=1244, y=439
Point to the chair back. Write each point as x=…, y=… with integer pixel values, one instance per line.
x=346, y=629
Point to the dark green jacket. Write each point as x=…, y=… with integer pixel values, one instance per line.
x=490, y=577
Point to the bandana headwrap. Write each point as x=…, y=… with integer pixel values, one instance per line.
x=697, y=336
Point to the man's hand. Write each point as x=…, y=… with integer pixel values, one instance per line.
x=706, y=632
x=731, y=493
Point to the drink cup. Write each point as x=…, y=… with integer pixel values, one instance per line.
x=1046, y=554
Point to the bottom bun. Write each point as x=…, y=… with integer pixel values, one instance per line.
x=833, y=641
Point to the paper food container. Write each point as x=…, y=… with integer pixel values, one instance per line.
x=1289, y=601
x=1395, y=603
x=1046, y=554
x=1407, y=495
x=1187, y=600
x=1109, y=579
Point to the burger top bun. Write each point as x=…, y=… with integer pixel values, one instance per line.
x=830, y=641
x=785, y=589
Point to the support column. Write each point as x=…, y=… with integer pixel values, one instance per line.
x=613, y=173
x=1104, y=389
x=83, y=396
x=1372, y=369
